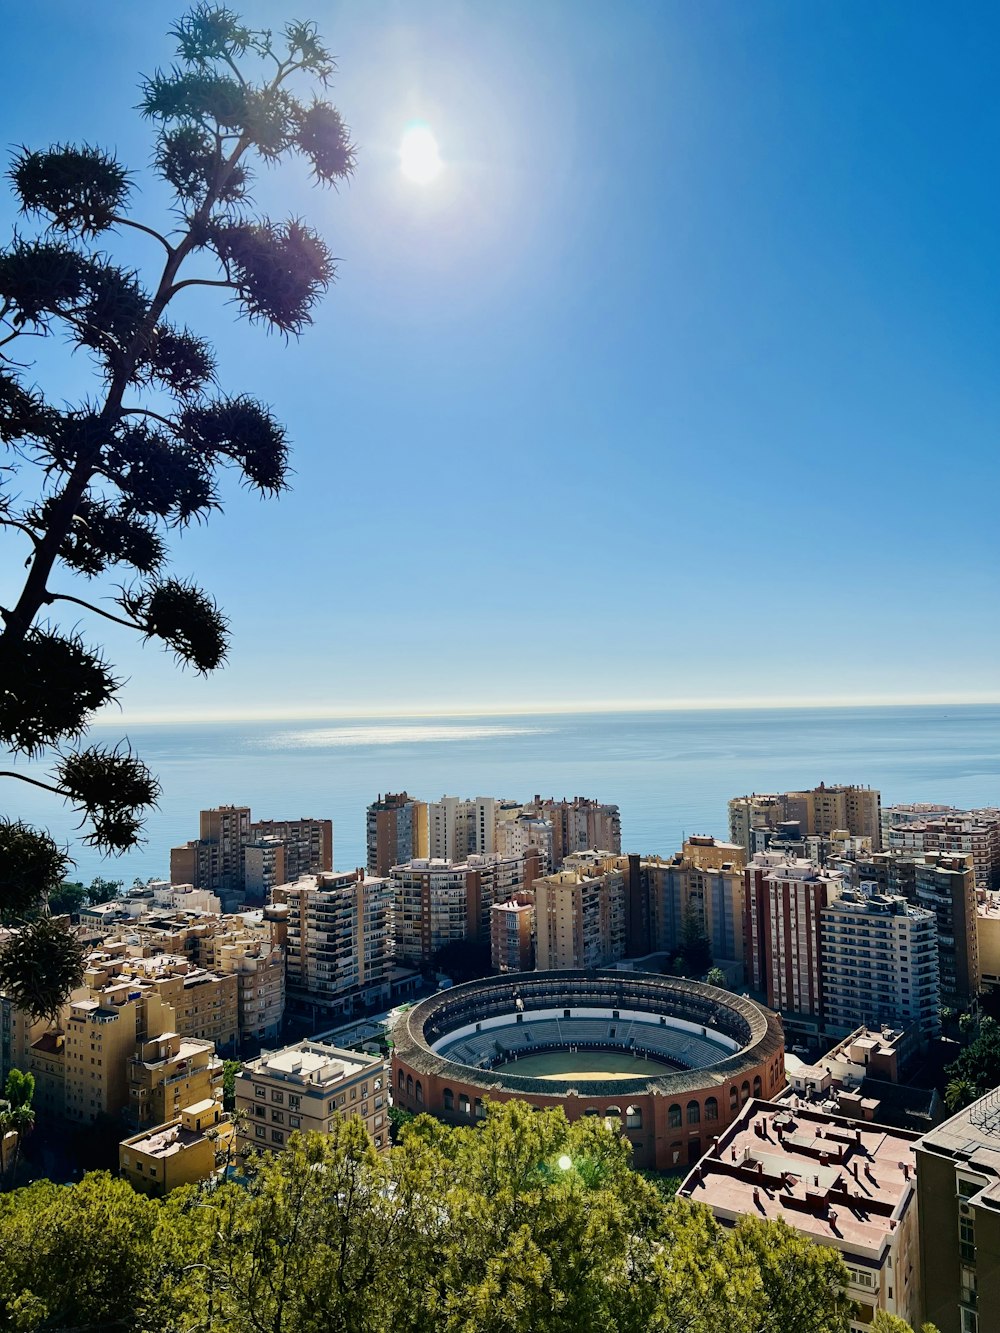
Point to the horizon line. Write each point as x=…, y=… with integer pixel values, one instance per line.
x=166, y=717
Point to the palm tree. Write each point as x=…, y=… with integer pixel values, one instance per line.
x=960, y=1092
x=16, y=1112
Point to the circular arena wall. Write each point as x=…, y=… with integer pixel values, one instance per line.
x=459, y=1048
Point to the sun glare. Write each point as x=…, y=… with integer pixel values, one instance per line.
x=419, y=158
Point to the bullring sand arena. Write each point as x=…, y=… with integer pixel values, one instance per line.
x=672, y=1060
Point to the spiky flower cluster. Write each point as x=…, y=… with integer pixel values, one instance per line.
x=115, y=474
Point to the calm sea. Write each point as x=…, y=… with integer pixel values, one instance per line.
x=670, y=772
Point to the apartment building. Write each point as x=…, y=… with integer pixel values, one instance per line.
x=958, y=1180
x=579, y=825
x=216, y=860
x=520, y=832
x=783, y=901
x=339, y=944
x=945, y=885
x=437, y=901
x=974, y=833
x=168, y=1072
x=396, y=827
x=512, y=934
x=249, y=947
x=307, y=1087
x=702, y=883
x=581, y=913
x=822, y=810
x=184, y=1151
x=850, y=1187
x=99, y=1032
x=879, y=964
x=265, y=864
x=457, y=828
x=913, y=812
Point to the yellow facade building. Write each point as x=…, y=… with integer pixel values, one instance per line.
x=184, y=1151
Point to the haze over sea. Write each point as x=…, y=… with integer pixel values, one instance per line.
x=670, y=772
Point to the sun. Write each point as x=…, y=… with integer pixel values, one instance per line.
x=419, y=158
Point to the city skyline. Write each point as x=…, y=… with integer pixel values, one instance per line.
x=678, y=347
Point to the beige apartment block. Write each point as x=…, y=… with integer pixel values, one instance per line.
x=248, y=946
x=259, y=970
x=438, y=902
x=216, y=860
x=205, y=1004
x=264, y=866
x=306, y=1087
x=847, y=1186
x=458, y=828
x=396, y=828
x=168, y=1072
x=581, y=914
x=578, y=825
x=945, y=885
x=521, y=832
x=704, y=883
x=821, y=811
x=339, y=947
x=184, y=1151
x=974, y=833
x=46, y=1060
x=100, y=1033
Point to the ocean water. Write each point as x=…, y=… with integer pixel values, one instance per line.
x=670, y=772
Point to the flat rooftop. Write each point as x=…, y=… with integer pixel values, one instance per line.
x=972, y=1135
x=310, y=1063
x=165, y=1140
x=843, y=1183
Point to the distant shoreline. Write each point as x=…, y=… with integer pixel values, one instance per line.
x=609, y=709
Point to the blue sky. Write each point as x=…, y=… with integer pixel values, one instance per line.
x=679, y=383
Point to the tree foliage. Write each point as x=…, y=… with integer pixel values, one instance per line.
x=453, y=1231
x=977, y=1068
x=94, y=488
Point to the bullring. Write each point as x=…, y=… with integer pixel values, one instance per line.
x=681, y=1057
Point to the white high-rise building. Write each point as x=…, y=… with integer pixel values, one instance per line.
x=879, y=964
x=458, y=828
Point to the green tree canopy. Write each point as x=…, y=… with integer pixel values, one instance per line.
x=525, y=1225
x=94, y=488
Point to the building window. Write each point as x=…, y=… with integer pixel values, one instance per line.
x=277, y=1136
x=260, y=1131
x=277, y=1096
x=449, y=1099
x=278, y=1117
x=711, y=1108
x=419, y=1093
x=693, y=1113
x=259, y=1092
x=295, y=1121
x=633, y=1117
x=674, y=1117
